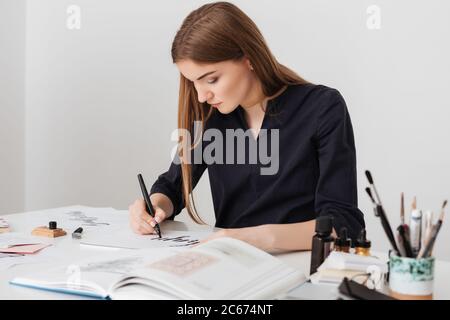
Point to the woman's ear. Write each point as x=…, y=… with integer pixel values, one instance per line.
x=248, y=64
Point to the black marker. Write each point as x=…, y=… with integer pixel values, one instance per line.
x=77, y=233
x=148, y=203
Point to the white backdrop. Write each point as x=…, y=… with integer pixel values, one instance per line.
x=12, y=105
x=101, y=101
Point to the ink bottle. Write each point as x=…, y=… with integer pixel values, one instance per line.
x=343, y=243
x=321, y=242
x=362, y=246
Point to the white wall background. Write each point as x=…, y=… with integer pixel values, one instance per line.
x=101, y=101
x=12, y=105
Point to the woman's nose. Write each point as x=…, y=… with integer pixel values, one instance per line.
x=204, y=96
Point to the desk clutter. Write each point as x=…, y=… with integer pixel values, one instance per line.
x=45, y=234
x=334, y=259
x=408, y=272
x=340, y=261
x=324, y=243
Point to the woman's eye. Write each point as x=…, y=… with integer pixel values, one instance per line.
x=211, y=81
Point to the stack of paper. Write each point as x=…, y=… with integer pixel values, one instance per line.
x=339, y=265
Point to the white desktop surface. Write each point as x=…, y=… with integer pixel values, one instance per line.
x=64, y=248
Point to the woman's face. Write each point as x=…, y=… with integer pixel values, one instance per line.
x=223, y=85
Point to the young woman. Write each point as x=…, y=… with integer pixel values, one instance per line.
x=229, y=80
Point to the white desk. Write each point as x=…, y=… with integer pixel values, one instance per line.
x=66, y=248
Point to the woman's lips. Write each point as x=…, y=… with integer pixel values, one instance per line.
x=217, y=105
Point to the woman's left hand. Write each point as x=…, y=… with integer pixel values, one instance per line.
x=259, y=236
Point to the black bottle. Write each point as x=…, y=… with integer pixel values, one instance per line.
x=363, y=245
x=321, y=242
x=343, y=243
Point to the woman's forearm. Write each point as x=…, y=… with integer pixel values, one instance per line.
x=274, y=238
x=290, y=237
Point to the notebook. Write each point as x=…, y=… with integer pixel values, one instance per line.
x=222, y=268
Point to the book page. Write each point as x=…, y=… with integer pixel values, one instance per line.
x=92, y=276
x=219, y=269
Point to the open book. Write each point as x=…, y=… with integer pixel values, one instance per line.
x=222, y=268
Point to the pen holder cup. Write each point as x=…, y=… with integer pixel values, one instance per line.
x=411, y=279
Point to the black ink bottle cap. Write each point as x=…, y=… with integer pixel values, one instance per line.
x=52, y=225
x=362, y=241
x=343, y=240
x=324, y=225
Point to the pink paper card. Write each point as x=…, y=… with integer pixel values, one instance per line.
x=25, y=249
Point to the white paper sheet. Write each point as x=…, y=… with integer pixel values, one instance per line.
x=71, y=218
x=129, y=240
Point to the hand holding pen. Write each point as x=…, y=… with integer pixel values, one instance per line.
x=149, y=206
x=142, y=220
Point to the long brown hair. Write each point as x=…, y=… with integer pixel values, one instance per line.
x=214, y=33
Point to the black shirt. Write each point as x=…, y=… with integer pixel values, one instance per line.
x=316, y=173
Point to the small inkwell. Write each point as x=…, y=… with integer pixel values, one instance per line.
x=52, y=231
x=363, y=245
x=343, y=243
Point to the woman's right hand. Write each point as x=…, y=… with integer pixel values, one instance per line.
x=141, y=221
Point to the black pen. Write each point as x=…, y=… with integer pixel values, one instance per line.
x=148, y=203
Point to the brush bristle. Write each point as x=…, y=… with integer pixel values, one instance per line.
x=369, y=176
x=402, y=202
x=441, y=216
x=369, y=192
